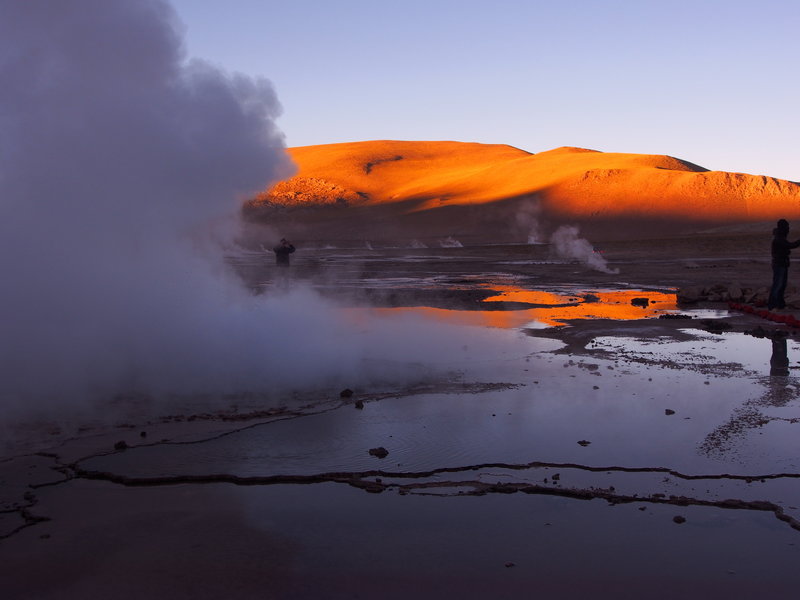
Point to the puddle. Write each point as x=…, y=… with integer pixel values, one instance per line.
x=588, y=304
x=555, y=469
x=758, y=356
x=552, y=308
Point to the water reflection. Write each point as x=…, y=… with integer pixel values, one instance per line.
x=550, y=308
x=620, y=305
x=779, y=361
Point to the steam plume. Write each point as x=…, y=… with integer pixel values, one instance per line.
x=121, y=167
x=568, y=245
x=528, y=218
x=117, y=158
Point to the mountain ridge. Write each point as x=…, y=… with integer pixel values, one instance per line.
x=397, y=179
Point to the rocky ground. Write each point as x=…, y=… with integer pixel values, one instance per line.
x=625, y=445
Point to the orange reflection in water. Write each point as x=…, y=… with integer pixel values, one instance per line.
x=608, y=305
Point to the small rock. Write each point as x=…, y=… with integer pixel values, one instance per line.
x=359, y=404
x=143, y=434
x=715, y=325
x=584, y=443
x=669, y=411
x=689, y=295
x=379, y=452
x=510, y=564
x=346, y=393
x=642, y=508
x=595, y=387
x=679, y=519
x=121, y=445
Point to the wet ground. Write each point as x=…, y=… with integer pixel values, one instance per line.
x=626, y=447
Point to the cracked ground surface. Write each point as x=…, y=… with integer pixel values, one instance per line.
x=644, y=457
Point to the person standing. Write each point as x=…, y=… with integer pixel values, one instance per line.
x=781, y=248
x=282, y=252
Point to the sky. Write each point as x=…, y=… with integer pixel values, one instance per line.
x=714, y=82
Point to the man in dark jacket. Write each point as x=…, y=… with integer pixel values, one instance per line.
x=282, y=252
x=781, y=248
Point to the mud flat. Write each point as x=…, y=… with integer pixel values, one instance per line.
x=627, y=445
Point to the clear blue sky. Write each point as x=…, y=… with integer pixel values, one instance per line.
x=715, y=82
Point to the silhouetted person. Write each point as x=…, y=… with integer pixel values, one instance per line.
x=781, y=247
x=779, y=361
x=282, y=252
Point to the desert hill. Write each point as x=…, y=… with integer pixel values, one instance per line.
x=461, y=186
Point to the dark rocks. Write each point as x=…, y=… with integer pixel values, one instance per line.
x=690, y=295
x=669, y=411
x=679, y=519
x=642, y=302
x=121, y=445
x=723, y=293
x=346, y=393
x=359, y=404
x=674, y=316
x=584, y=443
x=379, y=452
x=715, y=325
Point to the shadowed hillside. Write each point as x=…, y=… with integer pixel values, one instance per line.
x=395, y=188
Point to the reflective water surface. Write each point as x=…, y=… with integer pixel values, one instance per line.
x=645, y=458
x=552, y=308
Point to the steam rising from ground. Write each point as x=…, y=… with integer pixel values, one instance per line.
x=122, y=167
x=450, y=242
x=528, y=218
x=567, y=244
x=565, y=241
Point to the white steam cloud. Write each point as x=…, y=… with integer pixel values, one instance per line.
x=450, y=242
x=122, y=166
x=117, y=159
x=568, y=245
x=528, y=218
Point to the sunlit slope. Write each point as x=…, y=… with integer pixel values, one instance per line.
x=567, y=181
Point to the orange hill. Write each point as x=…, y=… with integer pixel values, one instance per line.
x=404, y=178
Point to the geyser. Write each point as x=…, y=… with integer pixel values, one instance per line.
x=119, y=157
x=122, y=165
x=567, y=244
